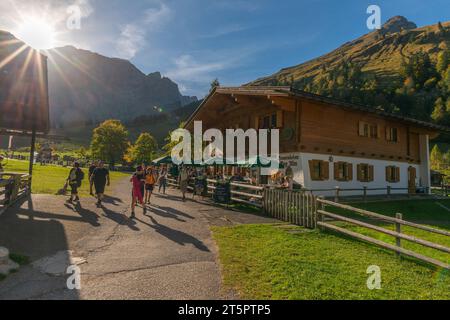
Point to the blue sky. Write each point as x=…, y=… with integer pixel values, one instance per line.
x=236, y=41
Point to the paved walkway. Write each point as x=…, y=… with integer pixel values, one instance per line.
x=167, y=254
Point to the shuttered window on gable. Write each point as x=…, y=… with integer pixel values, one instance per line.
x=392, y=134
x=368, y=130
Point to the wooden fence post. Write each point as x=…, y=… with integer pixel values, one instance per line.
x=320, y=206
x=336, y=198
x=398, y=229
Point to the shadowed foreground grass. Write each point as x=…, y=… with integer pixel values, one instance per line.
x=267, y=262
x=50, y=179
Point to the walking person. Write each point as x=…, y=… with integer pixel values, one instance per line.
x=150, y=181
x=91, y=171
x=184, y=181
x=163, y=180
x=137, y=191
x=76, y=176
x=100, y=179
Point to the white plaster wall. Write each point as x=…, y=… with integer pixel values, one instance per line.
x=379, y=175
x=425, y=172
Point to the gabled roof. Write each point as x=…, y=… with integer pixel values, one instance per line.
x=290, y=92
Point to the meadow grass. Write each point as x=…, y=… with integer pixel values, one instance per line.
x=267, y=262
x=50, y=179
x=270, y=262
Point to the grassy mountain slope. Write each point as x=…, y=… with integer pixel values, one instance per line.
x=380, y=54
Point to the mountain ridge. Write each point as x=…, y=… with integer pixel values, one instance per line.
x=392, y=38
x=86, y=87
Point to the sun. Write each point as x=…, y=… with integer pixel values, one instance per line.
x=37, y=33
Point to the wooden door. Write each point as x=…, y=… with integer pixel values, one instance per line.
x=412, y=174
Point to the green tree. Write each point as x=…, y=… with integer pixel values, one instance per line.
x=439, y=112
x=214, y=84
x=169, y=143
x=443, y=61
x=144, y=149
x=436, y=158
x=419, y=68
x=82, y=153
x=110, y=141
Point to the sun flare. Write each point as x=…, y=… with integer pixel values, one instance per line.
x=37, y=33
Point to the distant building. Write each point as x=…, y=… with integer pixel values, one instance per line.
x=326, y=143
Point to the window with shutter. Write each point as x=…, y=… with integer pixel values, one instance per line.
x=325, y=174
x=363, y=130
x=397, y=174
x=371, y=173
x=374, y=131
x=365, y=173
x=319, y=170
x=388, y=174
x=343, y=171
x=349, y=172
x=392, y=174
x=392, y=134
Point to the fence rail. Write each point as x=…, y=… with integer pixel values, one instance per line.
x=13, y=187
x=398, y=234
x=240, y=193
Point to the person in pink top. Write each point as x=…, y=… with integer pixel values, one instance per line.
x=137, y=192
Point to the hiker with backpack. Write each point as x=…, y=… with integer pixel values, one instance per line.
x=76, y=176
x=100, y=178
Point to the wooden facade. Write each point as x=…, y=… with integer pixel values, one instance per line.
x=308, y=124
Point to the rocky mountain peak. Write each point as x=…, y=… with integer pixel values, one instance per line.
x=397, y=24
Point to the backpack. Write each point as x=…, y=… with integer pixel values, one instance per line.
x=80, y=177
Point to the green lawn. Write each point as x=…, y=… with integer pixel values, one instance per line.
x=267, y=262
x=49, y=179
x=428, y=212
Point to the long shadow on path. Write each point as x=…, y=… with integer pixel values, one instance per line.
x=120, y=219
x=175, y=235
x=86, y=214
x=167, y=212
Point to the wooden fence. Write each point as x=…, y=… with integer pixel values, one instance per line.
x=240, y=192
x=12, y=188
x=397, y=234
x=365, y=192
x=296, y=207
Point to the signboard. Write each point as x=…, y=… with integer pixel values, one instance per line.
x=23, y=87
x=222, y=194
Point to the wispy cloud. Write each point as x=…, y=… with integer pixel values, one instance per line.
x=131, y=40
x=188, y=68
x=224, y=31
x=194, y=72
x=133, y=36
